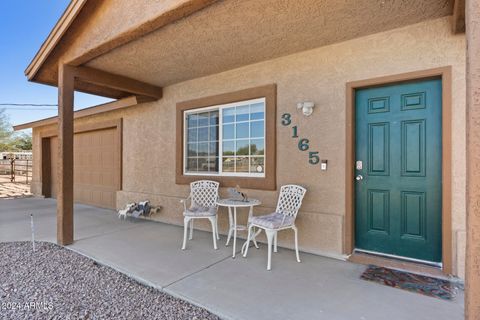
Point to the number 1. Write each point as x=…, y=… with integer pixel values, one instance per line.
x=295, y=133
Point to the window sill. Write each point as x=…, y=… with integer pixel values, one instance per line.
x=260, y=183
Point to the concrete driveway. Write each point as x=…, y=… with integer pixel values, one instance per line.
x=317, y=288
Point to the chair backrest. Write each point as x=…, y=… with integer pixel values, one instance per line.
x=290, y=199
x=204, y=193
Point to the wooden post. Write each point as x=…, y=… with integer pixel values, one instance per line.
x=472, y=279
x=65, y=155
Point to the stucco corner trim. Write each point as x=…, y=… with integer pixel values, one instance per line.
x=269, y=92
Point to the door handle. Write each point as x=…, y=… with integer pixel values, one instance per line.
x=359, y=177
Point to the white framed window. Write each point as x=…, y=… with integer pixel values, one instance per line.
x=225, y=140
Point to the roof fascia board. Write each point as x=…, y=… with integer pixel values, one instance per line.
x=54, y=37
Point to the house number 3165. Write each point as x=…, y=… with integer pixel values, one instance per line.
x=303, y=143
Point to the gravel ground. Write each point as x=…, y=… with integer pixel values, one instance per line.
x=12, y=190
x=56, y=283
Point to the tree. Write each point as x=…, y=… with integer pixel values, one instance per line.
x=5, y=127
x=10, y=141
x=20, y=142
x=5, y=131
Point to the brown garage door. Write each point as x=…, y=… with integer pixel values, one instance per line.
x=97, y=172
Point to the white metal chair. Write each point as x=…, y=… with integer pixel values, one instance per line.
x=289, y=202
x=203, y=205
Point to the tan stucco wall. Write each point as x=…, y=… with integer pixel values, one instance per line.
x=318, y=75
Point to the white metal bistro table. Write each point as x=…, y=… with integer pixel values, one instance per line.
x=232, y=218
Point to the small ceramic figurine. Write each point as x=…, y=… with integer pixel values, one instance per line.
x=128, y=208
x=237, y=194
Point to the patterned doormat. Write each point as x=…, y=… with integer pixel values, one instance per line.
x=438, y=288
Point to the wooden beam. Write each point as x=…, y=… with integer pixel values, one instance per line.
x=458, y=18
x=101, y=108
x=110, y=80
x=65, y=155
x=472, y=276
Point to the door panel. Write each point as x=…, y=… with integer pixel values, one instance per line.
x=398, y=139
x=379, y=149
x=97, y=172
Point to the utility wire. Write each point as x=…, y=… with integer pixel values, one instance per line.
x=28, y=109
x=29, y=104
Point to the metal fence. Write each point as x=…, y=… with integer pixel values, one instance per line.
x=17, y=170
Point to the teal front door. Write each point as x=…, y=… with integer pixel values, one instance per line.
x=398, y=170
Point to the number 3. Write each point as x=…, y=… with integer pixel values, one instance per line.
x=286, y=119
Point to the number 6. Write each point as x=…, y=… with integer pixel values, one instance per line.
x=303, y=144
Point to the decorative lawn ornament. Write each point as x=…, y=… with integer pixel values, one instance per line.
x=129, y=207
x=237, y=194
x=154, y=210
x=143, y=208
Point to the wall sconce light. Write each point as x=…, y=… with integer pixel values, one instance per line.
x=307, y=107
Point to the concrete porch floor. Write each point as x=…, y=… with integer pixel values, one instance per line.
x=317, y=288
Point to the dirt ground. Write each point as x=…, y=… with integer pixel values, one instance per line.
x=11, y=190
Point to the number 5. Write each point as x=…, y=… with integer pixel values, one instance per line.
x=313, y=157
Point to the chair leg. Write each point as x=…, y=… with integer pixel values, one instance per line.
x=213, y=221
x=255, y=232
x=275, y=242
x=296, y=243
x=270, y=236
x=191, y=230
x=248, y=240
x=216, y=228
x=185, y=231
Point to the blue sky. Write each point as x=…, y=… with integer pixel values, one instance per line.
x=24, y=25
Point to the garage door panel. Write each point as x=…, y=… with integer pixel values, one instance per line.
x=96, y=167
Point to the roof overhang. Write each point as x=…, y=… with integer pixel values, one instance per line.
x=81, y=18
x=178, y=40
x=54, y=37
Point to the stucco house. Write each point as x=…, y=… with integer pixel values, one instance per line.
x=211, y=89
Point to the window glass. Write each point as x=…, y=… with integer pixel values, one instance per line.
x=256, y=129
x=228, y=164
x=257, y=147
x=257, y=111
x=241, y=150
x=228, y=115
x=228, y=131
x=228, y=148
x=241, y=130
x=242, y=113
x=202, y=142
